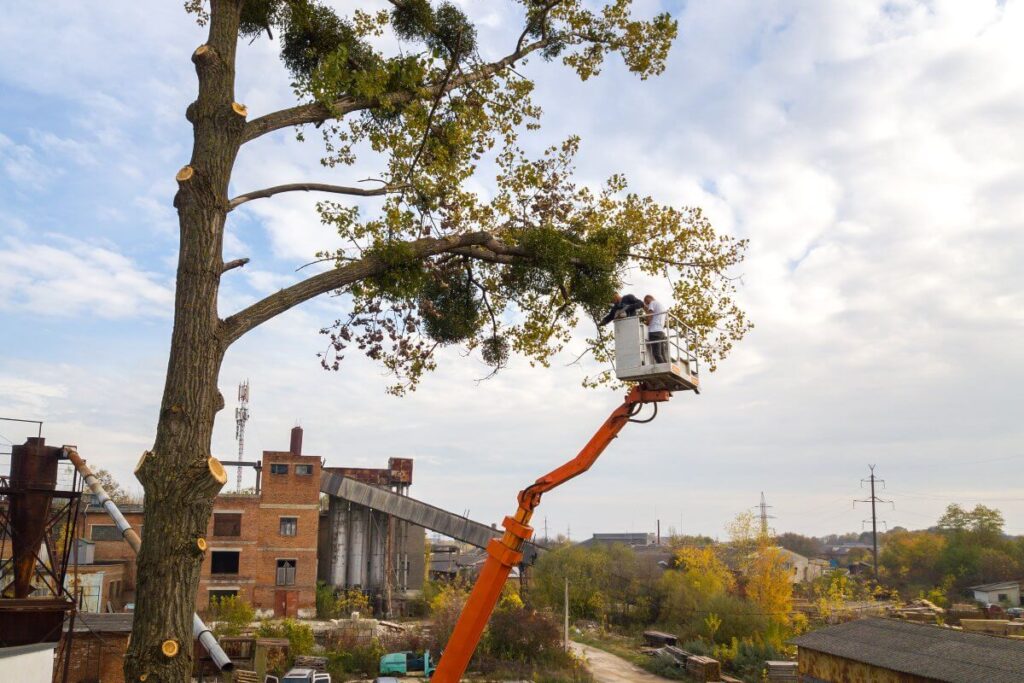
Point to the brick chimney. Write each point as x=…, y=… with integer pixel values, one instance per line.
x=296, y=444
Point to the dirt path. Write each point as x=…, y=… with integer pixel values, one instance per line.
x=607, y=668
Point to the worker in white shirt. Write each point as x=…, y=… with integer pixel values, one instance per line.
x=656, y=314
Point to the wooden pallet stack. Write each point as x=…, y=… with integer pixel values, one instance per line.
x=782, y=672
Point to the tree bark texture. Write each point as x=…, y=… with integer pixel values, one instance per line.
x=176, y=474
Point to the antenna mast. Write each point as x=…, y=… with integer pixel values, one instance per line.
x=241, y=417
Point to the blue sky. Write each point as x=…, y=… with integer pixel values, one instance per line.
x=869, y=150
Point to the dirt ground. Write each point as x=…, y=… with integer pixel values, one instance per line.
x=607, y=668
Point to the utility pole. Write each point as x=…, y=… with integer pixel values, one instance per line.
x=872, y=480
x=764, y=515
x=241, y=417
x=567, y=614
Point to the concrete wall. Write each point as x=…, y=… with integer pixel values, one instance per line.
x=1012, y=596
x=27, y=664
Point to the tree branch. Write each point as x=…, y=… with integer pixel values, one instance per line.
x=237, y=263
x=308, y=187
x=670, y=262
x=317, y=112
x=258, y=313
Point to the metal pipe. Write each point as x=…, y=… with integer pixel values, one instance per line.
x=199, y=629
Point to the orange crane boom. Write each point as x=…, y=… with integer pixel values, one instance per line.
x=505, y=553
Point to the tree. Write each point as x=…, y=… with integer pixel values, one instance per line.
x=764, y=567
x=438, y=264
x=807, y=546
x=113, y=489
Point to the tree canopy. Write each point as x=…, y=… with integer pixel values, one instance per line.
x=508, y=271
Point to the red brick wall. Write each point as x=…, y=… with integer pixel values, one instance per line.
x=289, y=495
x=260, y=543
x=105, y=551
x=97, y=658
x=246, y=543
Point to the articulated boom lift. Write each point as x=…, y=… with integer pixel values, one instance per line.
x=634, y=359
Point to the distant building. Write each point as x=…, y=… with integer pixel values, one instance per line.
x=895, y=651
x=1006, y=594
x=263, y=546
x=842, y=550
x=803, y=569
x=625, y=538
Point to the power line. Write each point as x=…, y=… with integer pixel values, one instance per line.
x=874, y=517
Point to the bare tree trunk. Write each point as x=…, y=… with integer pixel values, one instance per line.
x=179, y=475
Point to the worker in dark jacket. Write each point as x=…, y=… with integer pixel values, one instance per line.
x=622, y=306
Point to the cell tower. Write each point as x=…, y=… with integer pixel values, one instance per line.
x=241, y=417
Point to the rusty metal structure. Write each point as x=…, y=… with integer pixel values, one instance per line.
x=39, y=511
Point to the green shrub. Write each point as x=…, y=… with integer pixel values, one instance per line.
x=517, y=634
x=300, y=636
x=232, y=615
x=331, y=604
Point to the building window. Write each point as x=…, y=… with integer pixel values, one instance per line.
x=278, y=468
x=286, y=572
x=1003, y=597
x=304, y=469
x=224, y=562
x=221, y=594
x=105, y=532
x=227, y=523
x=289, y=526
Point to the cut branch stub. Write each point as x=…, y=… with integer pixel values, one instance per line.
x=201, y=544
x=239, y=109
x=203, y=54
x=170, y=648
x=138, y=467
x=185, y=174
x=217, y=470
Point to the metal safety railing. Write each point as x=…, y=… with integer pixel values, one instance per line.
x=679, y=345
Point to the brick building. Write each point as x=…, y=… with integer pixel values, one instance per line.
x=98, y=647
x=263, y=546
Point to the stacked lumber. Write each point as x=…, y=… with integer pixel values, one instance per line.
x=782, y=671
x=318, y=664
x=704, y=669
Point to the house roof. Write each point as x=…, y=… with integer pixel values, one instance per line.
x=996, y=586
x=923, y=650
x=92, y=622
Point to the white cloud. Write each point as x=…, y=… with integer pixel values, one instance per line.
x=867, y=149
x=68, y=278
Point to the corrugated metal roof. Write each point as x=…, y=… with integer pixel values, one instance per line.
x=86, y=622
x=995, y=586
x=922, y=650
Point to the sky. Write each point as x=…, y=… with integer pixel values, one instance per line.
x=870, y=151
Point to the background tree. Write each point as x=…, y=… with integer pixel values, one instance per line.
x=437, y=265
x=808, y=546
x=112, y=487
